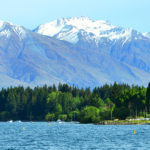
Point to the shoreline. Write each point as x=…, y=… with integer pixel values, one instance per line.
x=105, y=122
x=124, y=122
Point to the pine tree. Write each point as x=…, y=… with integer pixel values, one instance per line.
x=148, y=97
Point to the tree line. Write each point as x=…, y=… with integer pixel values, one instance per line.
x=69, y=103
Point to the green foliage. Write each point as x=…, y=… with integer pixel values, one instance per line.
x=148, y=98
x=122, y=112
x=62, y=117
x=4, y=116
x=97, y=101
x=73, y=104
x=50, y=117
x=89, y=114
x=58, y=109
x=74, y=115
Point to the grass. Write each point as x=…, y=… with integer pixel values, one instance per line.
x=124, y=122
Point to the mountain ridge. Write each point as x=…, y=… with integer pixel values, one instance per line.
x=99, y=28
x=108, y=36
x=29, y=58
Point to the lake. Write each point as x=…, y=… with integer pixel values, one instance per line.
x=72, y=136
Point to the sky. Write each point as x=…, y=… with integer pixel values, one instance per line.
x=31, y=13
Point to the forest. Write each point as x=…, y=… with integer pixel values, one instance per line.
x=70, y=103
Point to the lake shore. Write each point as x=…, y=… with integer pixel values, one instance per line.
x=124, y=122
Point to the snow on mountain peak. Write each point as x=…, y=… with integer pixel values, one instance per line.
x=80, y=23
x=69, y=29
x=102, y=53
x=6, y=29
x=146, y=34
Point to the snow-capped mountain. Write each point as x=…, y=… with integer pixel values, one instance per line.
x=7, y=28
x=126, y=45
x=74, y=29
x=76, y=51
x=146, y=34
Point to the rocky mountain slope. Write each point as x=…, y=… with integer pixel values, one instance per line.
x=76, y=51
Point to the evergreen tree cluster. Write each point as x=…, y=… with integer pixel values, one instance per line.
x=70, y=103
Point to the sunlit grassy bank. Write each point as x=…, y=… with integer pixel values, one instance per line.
x=124, y=122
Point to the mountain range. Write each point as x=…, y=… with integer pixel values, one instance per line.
x=77, y=51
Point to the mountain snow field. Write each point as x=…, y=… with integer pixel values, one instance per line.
x=76, y=51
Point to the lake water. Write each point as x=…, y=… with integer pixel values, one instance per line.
x=72, y=136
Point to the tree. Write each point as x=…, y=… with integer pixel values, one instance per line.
x=58, y=110
x=97, y=101
x=116, y=94
x=85, y=105
x=148, y=97
x=111, y=106
x=89, y=114
x=121, y=112
x=52, y=101
x=50, y=117
x=63, y=117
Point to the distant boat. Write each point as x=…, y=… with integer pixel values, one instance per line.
x=59, y=121
x=11, y=121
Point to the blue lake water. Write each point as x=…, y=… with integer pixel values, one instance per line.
x=72, y=136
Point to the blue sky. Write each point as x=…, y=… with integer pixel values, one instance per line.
x=31, y=13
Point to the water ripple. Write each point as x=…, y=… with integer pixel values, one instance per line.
x=70, y=136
